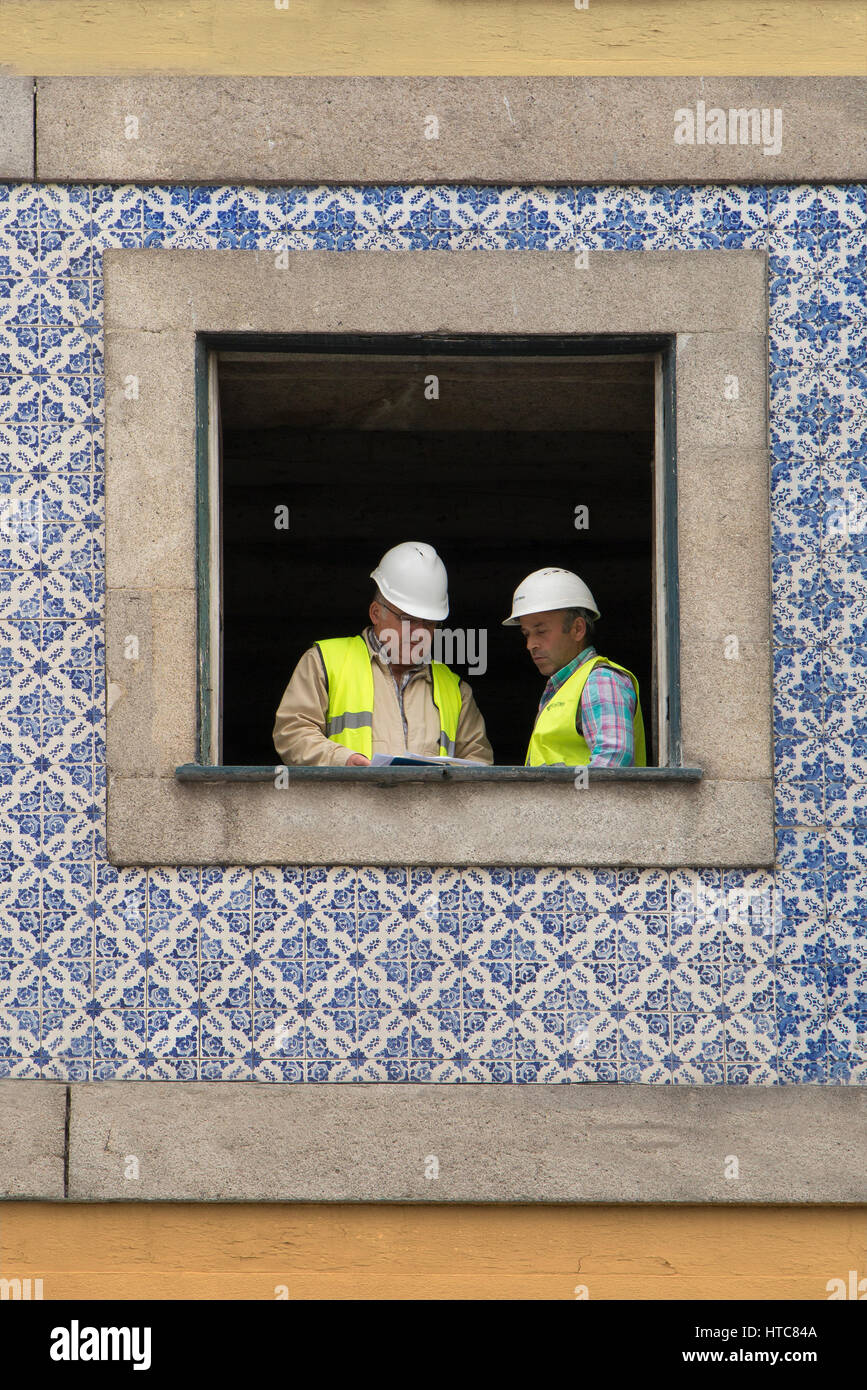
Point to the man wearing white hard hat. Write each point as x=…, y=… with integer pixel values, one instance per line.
x=589, y=711
x=379, y=692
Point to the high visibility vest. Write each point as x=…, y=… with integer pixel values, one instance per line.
x=349, y=717
x=555, y=739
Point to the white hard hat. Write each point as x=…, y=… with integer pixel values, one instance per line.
x=546, y=590
x=412, y=576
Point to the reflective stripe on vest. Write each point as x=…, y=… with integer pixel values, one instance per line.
x=555, y=739
x=349, y=717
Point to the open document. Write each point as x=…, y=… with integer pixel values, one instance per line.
x=407, y=759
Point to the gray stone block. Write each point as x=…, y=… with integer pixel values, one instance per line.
x=159, y=623
x=492, y=1143
x=710, y=368
x=442, y=291
x=490, y=129
x=727, y=722
x=16, y=127
x=32, y=1139
x=150, y=440
x=154, y=821
x=724, y=545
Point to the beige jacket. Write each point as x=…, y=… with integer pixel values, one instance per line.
x=404, y=720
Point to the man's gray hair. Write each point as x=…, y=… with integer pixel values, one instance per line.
x=569, y=616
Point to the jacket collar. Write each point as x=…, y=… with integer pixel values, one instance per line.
x=377, y=651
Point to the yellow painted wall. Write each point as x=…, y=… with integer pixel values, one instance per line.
x=336, y=37
x=200, y=1251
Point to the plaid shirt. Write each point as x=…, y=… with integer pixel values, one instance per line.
x=399, y=685
x=604, y=717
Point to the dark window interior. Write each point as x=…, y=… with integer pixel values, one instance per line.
x=490, y=473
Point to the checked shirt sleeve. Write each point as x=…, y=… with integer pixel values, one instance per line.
x=607, y=707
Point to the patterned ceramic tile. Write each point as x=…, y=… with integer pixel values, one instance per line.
x=19, y=345
x=608, y=219
x=512, y=975
x=803, y=803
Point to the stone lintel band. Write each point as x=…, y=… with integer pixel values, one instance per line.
x=431, y=130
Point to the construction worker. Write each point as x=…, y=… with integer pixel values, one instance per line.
x=589, y=710
x=351, y=697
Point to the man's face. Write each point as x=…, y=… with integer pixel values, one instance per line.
x=408, y=641
x=549, y=646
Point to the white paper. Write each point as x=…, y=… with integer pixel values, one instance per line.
x=388, y=759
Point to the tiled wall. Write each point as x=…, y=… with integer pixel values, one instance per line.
x=342, y=974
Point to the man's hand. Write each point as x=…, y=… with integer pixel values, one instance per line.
x=357, y=760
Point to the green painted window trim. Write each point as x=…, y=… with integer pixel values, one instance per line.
x=672, y=592
x=203, y=543
x=457, y=345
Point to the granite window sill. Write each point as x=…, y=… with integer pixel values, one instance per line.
x=385, y=776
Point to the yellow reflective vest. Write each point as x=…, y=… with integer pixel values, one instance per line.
x=555, y=739
x=349, y=717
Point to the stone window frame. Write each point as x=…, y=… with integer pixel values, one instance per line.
x=161, y=307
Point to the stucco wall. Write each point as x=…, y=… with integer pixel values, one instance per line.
x=180, y=1250
x=428, y=36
